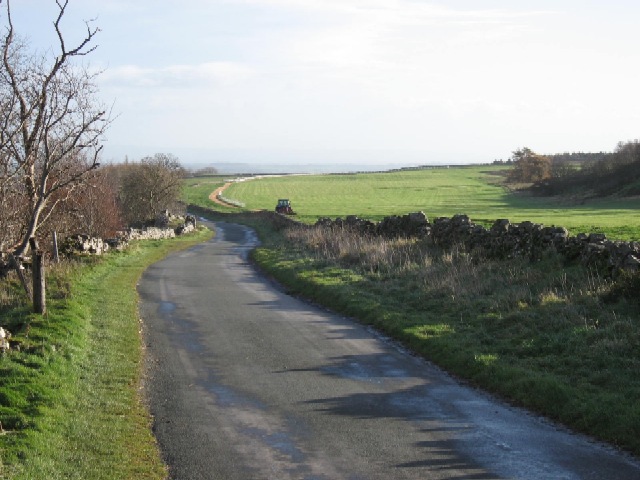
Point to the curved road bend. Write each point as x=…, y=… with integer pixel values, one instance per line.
x=245, y=382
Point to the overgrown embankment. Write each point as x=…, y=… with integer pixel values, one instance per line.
x=70, y=405
x=554, y=336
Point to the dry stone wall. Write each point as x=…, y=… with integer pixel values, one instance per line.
x=89, y=245
x=85, y=244
x=503, y=239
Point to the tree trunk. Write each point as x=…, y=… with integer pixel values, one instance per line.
x=32, y=226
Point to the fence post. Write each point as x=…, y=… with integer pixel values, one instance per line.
x=56, y=258
x=39, y=287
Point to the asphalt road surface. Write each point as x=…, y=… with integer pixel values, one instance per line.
x=246, y=382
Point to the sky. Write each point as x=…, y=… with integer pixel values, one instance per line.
x=401, y=82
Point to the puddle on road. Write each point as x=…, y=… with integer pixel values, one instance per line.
x=227, y=397
x=181, y=330
x=166, y=307
x=279, y=441
x=376, y=371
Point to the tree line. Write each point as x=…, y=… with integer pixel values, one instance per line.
x=595, y=174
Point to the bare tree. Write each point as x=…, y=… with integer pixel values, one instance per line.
x=528, y=166
x=93, y=209
x=150, y=186
x=51, y=124
x=12, y=212
x=96, y=211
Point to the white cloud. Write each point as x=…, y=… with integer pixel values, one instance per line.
x=394, y=74
x=403, y=50
x=177, y=76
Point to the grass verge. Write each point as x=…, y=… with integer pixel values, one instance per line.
x=70, y=403
x=557, y=339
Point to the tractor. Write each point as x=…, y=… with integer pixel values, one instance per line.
x=284, y=207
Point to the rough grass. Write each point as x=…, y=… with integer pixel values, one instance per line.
x=69, y=400
x=555, y=338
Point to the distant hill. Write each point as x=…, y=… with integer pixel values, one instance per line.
x=241, y=168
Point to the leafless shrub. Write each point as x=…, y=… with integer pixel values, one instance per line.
x=369, y=253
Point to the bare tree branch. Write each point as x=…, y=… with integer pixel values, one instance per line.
x=51, y=124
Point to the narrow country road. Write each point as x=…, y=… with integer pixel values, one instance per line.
x=245, y=382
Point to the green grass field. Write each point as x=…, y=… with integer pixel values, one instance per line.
x=474, y=191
